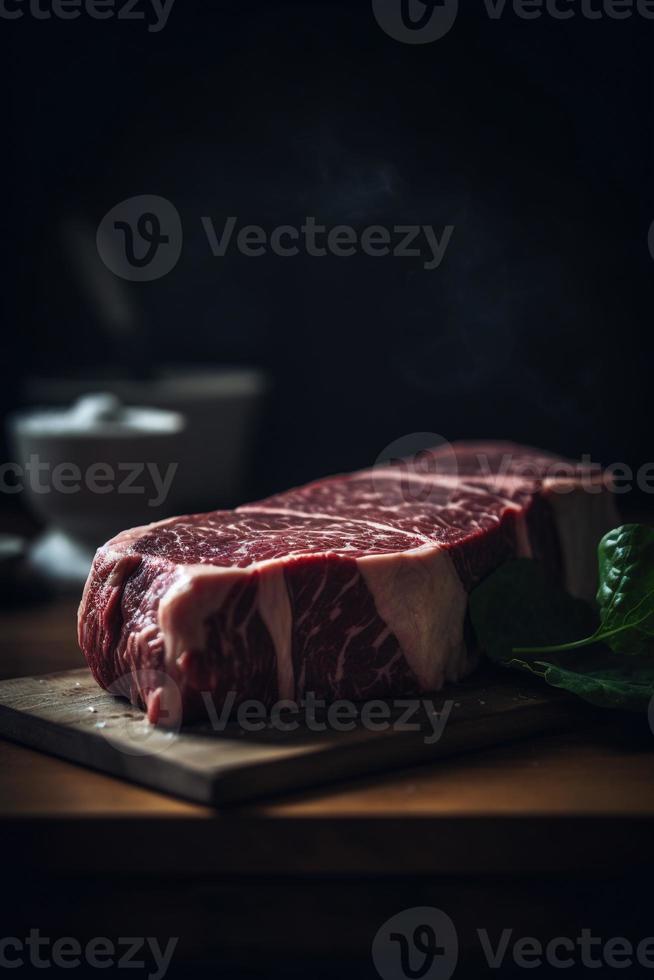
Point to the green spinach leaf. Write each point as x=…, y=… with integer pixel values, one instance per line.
x=626, y=593
x=599, y=677
x=625, y=596
x=521, y=604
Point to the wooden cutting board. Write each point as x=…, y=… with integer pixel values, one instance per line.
x=68, y=715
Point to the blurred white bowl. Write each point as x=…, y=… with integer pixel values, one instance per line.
x=222, y=408
x=90, y=471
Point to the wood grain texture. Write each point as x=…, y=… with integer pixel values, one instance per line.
x=566, y=803
x=545, y=835
x=68, y=715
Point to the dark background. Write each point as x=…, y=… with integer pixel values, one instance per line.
x=533, y=138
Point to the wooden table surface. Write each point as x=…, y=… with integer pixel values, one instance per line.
x=594, y=773
x=549, y=809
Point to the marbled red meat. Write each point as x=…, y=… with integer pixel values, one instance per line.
x=350, y=587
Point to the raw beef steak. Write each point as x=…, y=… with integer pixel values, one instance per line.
x=350, y=587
